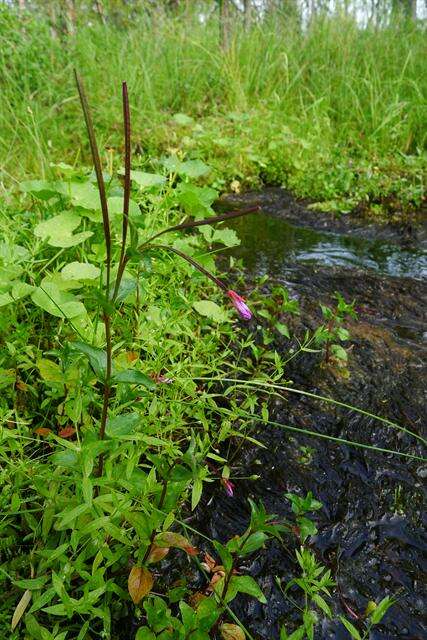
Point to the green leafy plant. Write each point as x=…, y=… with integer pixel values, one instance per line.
x=330, y=334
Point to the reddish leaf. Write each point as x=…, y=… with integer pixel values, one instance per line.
x=42, y=431
x=140, y=583
x=169, y=539
x=67, y=432
x=157, y=553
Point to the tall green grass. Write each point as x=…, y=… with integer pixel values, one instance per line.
x=291, y=106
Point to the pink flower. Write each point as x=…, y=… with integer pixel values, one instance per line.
x=240, y=304
x=228, y=486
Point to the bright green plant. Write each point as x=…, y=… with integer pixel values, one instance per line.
x=330, y=334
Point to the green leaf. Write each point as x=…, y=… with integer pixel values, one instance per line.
x=84, y=195
x=350, y=628
x=122, y=425
x=35, y=630
x=43, y=189
x=58, y=231
x=207, y=613
x=307, y=528
x=20, y=290
x=115, y=206
x=144, y=633
x=127, y=286
x=196, y=493
x=282, y=329
x=97, y=357
x=67, y=458
x=193, y=168
x=80, y=271
x=69, y=515
x=57, y=302
x=338, y=352
x=211, y=310
x=322, y=604
x=255, y=541
x=44, y=598
x=32, y=583
x=146, y=180
x=11, y=253
x=381, y=609
x=131, y=376
x=244, y=584
x=224, y=554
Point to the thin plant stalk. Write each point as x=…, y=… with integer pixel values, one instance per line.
x=126, y=195
x=107, y=240
x=195, y=264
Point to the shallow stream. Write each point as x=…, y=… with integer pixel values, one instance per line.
x=372, y=525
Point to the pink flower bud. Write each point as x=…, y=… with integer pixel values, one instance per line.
x=240, y=304
x=228, y=486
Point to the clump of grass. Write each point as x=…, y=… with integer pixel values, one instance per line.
x=334, y=112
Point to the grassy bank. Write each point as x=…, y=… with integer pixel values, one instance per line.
x=335, y=113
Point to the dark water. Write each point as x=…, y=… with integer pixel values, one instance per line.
x=269, y=245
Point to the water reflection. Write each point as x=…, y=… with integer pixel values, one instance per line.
x=271, y=245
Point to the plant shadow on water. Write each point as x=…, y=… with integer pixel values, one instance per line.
x=370, y=530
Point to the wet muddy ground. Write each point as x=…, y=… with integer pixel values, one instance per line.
x=371, y=528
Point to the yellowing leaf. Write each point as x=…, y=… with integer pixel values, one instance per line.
x=20, y=608
x=157, y=553
x=170, y=539
x=140, y=583
x=232, y=632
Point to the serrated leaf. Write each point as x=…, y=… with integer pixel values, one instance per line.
x=58, y=231
x=140, y=583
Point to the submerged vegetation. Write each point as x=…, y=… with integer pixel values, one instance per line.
x=132, y=365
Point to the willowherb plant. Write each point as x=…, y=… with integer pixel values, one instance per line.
x=111, y=291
